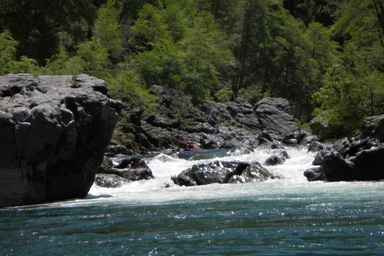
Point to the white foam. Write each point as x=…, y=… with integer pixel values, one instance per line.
x=161, y=189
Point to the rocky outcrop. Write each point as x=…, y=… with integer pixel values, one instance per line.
x=209, y=125
x=127, y=170
x=275, y=117
x=359, y=158
x=54, y=131
x=222, y=172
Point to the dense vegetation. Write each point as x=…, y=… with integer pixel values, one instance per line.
x=324, y=56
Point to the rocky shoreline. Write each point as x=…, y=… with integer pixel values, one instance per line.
x=209, y=125
x=58, y=137
x=358, y=158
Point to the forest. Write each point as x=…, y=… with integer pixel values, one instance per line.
x=325, y=56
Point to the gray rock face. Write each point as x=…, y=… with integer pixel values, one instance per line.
x=209, y=125
x=275, y=117
x=53, y=134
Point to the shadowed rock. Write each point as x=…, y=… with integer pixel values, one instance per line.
x=359, y=158
x=54, y=131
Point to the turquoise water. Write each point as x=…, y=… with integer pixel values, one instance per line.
x=279, y=217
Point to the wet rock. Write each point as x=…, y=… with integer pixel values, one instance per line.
x=319, y=158
x=277, y=158
x=130, y=169
x=314, y=174
x=109, y=180
x=222, y=172
x=301, y=137
x=315, y=146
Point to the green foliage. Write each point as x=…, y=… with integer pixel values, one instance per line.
x=63, y=64
x=7, y=52
x=128, y=85
x=180, y=54
x=107, y=28
x=224, y=95
x=211, y=49
x=206, y=50
x=279, y=55
x=352, y=92
x=8, y=64
x=355, y=85
x=40, y=26
x=26, y=65
x=150, y=28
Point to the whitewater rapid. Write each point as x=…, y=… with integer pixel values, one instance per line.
x=161, y=189
x=287, y=216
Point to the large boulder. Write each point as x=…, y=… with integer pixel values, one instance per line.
x=373, y=127
x=275, y=117
x=367, y=165
x=54, y=131
x=222, y=172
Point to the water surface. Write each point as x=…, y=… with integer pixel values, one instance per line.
x=289, y=216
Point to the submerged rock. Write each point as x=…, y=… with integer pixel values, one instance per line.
x=54, y=131
x=222, y=172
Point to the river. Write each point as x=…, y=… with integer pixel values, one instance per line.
x=287, y=216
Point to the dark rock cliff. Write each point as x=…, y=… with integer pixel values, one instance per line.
x=54, y=131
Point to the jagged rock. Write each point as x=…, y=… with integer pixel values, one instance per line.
x=315, y=146
x=301, y=137
x=114, y=149
x=359, y=158
x=54, y=131
x=222, y=172
x=275, y=117
x=130, y=169
x=373, y=127
x=277, y=158
x=319, y=158
x=209, y=125
x=109, y=180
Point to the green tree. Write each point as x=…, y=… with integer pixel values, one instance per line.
x=206, y=51
x=107, y=29
x=184, y=51
x=7, y=52
x=354, y=87
x=41, y=26
x=277, y=56
x=8, y=64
